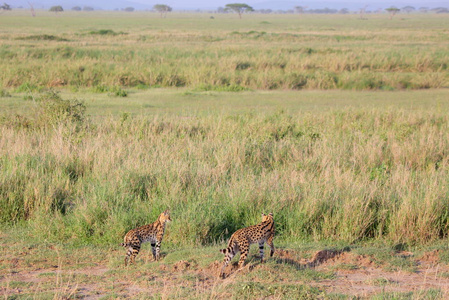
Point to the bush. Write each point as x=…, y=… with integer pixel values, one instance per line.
x=117, y=92
x=57, y=8
x=54, y=110
x=105, y=32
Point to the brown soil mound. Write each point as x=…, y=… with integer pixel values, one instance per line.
x=323, y=256
x=216, y=266
x=342, y=258
x=181, y=265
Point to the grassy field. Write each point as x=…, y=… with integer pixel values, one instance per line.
x=100, y=131
x=330, y=165
x=356, y=181
x=103, y=50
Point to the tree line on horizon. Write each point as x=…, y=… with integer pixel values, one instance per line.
x=241, y=8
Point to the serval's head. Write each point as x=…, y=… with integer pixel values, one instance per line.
x=165, y=217
x=268, y=217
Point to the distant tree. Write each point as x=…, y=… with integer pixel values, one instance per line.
x=5, y=6
x=163, y=9
x=76, y=8
x=392, y=11
x=129, y=9
x=343, y=11
x=239, y=8
x=221, y=10
x=56, y=9
x=408, y=9
x=88, y=8
x=423, y=9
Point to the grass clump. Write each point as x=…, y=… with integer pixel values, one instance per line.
x=106, y=32
x=43, y=37
x=54, y=110
x=48, y=110
x=112, y=91
x=220, y=88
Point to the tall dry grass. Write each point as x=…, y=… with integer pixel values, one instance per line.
x=346, y=174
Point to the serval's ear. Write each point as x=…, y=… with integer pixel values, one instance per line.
x=263, y=215
x=167, y=212
x=271, y=214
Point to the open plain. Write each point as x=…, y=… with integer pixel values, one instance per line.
x=337, y=125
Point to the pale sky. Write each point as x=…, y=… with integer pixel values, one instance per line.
x=256, y=4
x=309, y=3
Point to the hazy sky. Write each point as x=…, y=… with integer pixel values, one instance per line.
x=309, y=3
x=256, y=4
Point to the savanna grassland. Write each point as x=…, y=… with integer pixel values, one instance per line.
x=337, y=125
x=103, y=50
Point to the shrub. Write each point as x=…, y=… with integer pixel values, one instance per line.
x=43, y=37
x=117, y=92
x=56, y=8
x=105, y=32
x=54, y=110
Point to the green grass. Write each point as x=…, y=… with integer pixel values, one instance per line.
x=311, y=158
x=184, y=102
x=315, y=119
x=284, y=52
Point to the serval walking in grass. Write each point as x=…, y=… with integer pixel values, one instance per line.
x=242, y=239
x=152, y=233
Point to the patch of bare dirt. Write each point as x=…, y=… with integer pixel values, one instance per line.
x=94, y=271
x=358, y=275
x=181, y=265
x=364, y=278
x=215, y=268
x=355, y=275
x=345, y=258
x=323, y=256
x=364, y=282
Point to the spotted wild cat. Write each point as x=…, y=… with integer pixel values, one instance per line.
x=152, y=233
x=244, y=237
